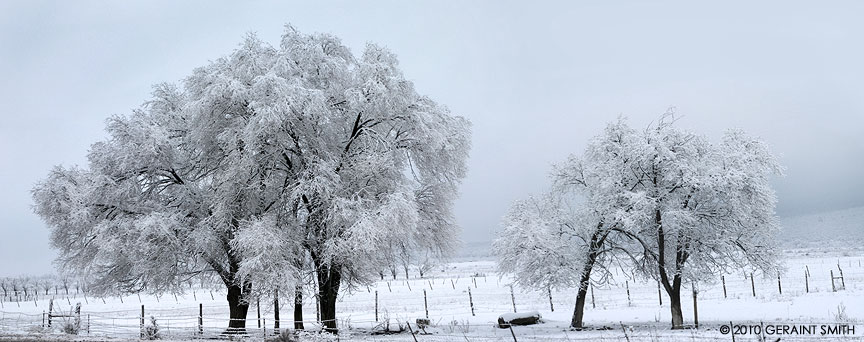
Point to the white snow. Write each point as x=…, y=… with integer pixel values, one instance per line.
x=450, y=311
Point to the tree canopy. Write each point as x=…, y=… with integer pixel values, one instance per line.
x=256, y=163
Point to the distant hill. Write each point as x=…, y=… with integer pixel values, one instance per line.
x=477, y=250
x=840, y=228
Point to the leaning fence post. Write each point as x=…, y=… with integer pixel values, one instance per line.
x=723, y=280
x=779, y=287
x=471, y=301
x=551, y=306
x=732, y=330
x=411, y=330
x=806, y=282
x=833, y=289
x=752, y=284
x=625, y=331
x=842, y=281
x=512, y=333
x=513, y=298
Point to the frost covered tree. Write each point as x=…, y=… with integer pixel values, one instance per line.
x=700, y=208
x=260, y=160
x=160, y=202
x=559, y=239
x=675, y=206
x=376, y=166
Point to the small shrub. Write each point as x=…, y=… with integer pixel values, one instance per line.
x=71, y=327
x=151, y=331
x=840, y=315
x=457, y=326
x=285, y=336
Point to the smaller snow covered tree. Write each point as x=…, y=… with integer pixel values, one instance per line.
x=557, y=240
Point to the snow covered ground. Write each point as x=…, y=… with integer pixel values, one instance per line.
x=641, y=317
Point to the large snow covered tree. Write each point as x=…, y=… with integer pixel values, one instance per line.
x=377, y=165
x=261, y=160
x=163, y=199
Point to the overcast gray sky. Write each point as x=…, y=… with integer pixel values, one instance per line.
x=537, y=79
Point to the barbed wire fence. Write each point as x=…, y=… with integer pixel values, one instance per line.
x=453, y=292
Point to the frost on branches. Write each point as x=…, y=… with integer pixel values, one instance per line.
x=264, y=166
x=665, y=202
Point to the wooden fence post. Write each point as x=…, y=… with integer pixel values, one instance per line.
x=627, y=285
x=50, y=310
x=471, y=300
x=779, y=286
x=78, y=317
x=695, y=308
x=411, y=330
x=842, y=281
x=513, y=298
x=732, y=330
x=833, y=288
x=376, y=305
x=425, y=304
x=258, y=307
x=276, y=312
x=551, y=306
x=723, y=280
x=142, y=321
x=752, y=284
x=318, y=308
x=201, y=318
x=806, y=282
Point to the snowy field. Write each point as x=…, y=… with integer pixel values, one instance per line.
x=612, y=317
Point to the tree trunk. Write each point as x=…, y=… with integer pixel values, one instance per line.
x=578, y=310
x=597, y=240
x=298, y=308
x=675, y=303
x=238, y=307
x=329, y=279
